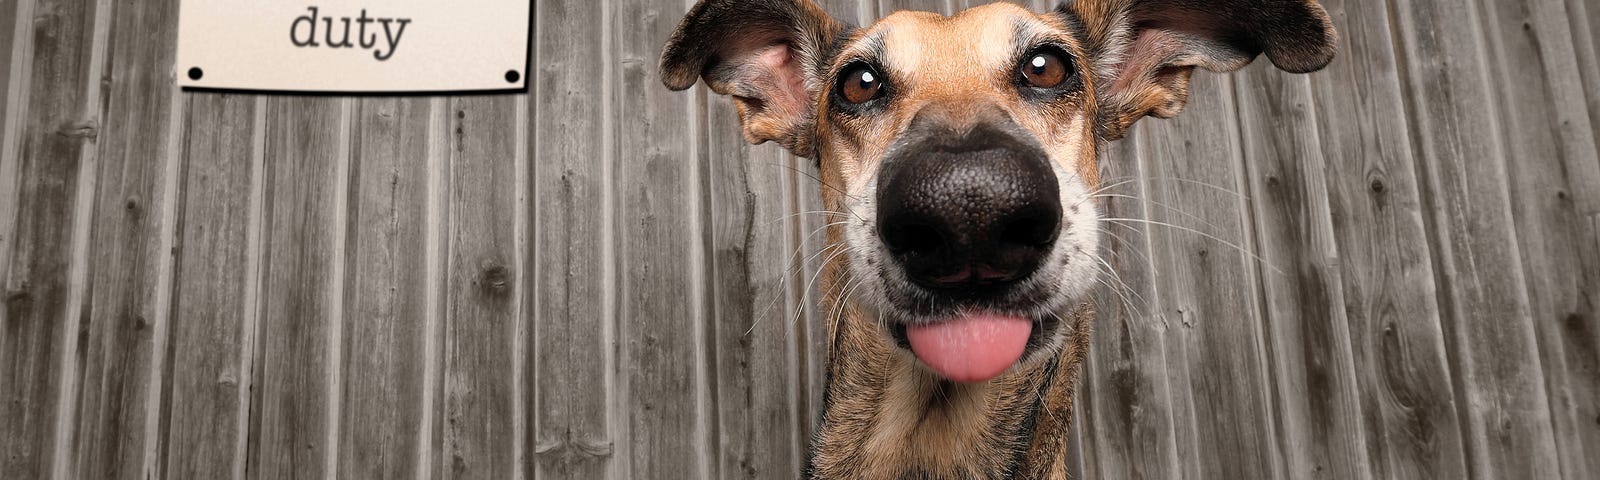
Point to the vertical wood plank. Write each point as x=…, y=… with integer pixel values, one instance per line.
x=1397, y=342
x=431, y=460
x=1584, y=22
x=751, y=314
x=54, y=173
x=660, y=283
x=305, y=152
x=16, y=45
x=1506, y=416
x=1307, y=336
x=1209, y=288
x=1554, y=187
x=209, y=366
x=484, y=300
x=385, y=319
x=571, y=436
x=132, y=246
x=1127, y=399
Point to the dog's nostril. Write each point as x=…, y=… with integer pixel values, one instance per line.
x=909, y=237
x=1036, y=228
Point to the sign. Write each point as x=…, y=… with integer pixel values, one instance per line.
x=354, y=46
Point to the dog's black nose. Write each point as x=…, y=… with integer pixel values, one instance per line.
x=972, y=210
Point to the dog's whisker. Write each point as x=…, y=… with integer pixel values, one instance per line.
x=1121, y=291
x=837, y=312
x=792, y=267
x=823, y=213
x=783, y=291
x=1192, y=181
x=838, y=249
x=1177, y=210
x=1110, y=186
x=1127, y=246
x=1215, y=238
x=1111, y=272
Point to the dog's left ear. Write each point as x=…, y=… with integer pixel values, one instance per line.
x=1145, y=50
x=767, y=54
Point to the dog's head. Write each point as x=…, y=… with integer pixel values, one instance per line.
x=960, y=152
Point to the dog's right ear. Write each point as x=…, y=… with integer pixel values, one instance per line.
x=767, y=54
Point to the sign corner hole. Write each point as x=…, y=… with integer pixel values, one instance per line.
x=195, y=73
x=512, y=76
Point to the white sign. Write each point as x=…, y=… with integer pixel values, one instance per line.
x=354, y=46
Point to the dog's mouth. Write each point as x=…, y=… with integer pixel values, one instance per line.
x=973, y=345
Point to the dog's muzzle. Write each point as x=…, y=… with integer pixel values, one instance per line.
x=968, y=214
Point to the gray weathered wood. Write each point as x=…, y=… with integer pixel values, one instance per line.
x=42, y=290
x=1308, y=339
x=756, y=373
x=484, y=301
x=385, y=325
x=215, y=302
x=1374, y=201
x=1554, y=175
x=1127, y=399
x=306, y=161
x=1207, y=286
x=15, y=43
x=1583, y=17
x=128, y=310
x=662, y=288
x=574, y=323
x=1488, y=326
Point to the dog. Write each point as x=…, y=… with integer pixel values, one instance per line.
x=959, y=154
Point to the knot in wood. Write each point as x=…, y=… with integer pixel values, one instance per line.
x=80, y=129
x=496, y=279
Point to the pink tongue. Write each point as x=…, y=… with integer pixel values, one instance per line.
x=971, y=348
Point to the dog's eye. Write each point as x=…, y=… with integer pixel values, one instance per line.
x=860, y=84
x=1044, y=69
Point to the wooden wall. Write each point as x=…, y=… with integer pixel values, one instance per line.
x=1388, y=269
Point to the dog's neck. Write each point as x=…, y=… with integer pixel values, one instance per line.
x=886, y=417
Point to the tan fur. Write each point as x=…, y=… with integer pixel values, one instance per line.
x=887, y=416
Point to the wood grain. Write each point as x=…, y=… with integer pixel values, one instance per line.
x=571, y=408
x=1396, y=340
x=756, y=374
x=484, y=301
x=1320, y=429
x=129, y=307
x=15, y=49
x=1488, y=327
x=1583, y=17
x=1127, y=397
x=1207, y=284
x=306, y=156
x=210, y=369
x=1554, y=176
x=385, y=324
x=43, y=289
x=662, y=288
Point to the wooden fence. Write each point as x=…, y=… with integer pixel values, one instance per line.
x=1388, y=269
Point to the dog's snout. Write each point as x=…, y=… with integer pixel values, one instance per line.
x=982, y=209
